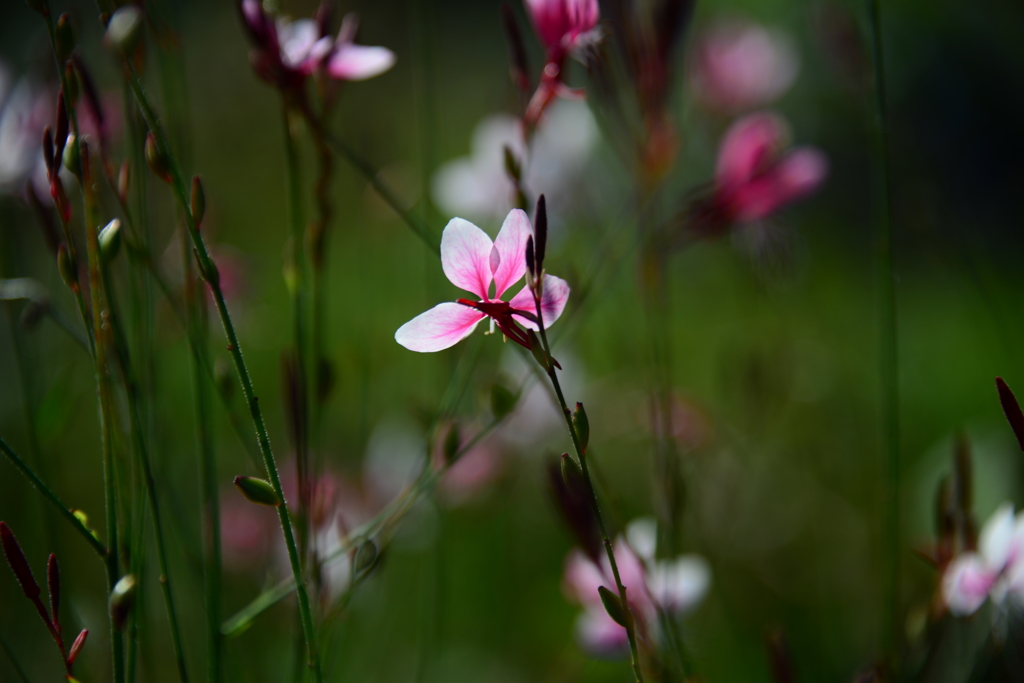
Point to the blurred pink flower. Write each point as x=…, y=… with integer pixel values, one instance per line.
x=755, y=177
x=995, y=570
x=473, y=262
x=562, y=24
x=675, y=586
x=287, y=51
x=740, y=65
x=471, y=473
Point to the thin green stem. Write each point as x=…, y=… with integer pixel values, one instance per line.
x=581, y=455
x=888, y=342
x=63, y=509
x=209, y=271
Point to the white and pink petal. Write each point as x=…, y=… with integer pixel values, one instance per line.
x=555, y=296
x=352, y=62
x=508, y=258
x=439, y=328
x=466, y=257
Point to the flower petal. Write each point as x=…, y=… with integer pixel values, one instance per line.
x=966, y=584
x=748, y=145
x=556, y=294
x=442, y=326
x=599, y=635
x=510, y=247
x=996, y=538
x=582, y=578
x=297, y=39
x=466, y=256
x=679, y=585
x=642, y=535
x=352, y=62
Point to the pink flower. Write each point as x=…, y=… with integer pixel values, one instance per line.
x=995, y=571
x=675, y=586
x=755, y=178
x=739, y=65
x=288, y=51
x=472, y=262
x=562, y=24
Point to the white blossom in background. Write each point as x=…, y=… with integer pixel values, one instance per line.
x=24, y=112
x=995, y=571
x=477, y=186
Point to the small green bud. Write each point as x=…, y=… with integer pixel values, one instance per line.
x=572, y=475
x=198, y=204
x=67, y=268
x=122, y=598
x=110, y=240
x=156, y=159
x=612, y=605
x=503, y=401
x=64, y=38
x=582, y=425
x=124, y=28
x=537, y=350
x=452, y=441
x=72, y=157
x=258, y=491
x=365, y=559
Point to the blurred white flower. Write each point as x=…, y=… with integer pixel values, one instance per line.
x=477, y=187
x=995, y=570
x=24, y=112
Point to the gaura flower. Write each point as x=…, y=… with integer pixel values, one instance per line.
x=287, y=51
x=471, y=261
x=995, y=570
x=740, y=65
x=562, y=24
x=673, y=586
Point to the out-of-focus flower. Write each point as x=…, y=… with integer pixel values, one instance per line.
x=479, y=187
x=740, y=65
x=472, y=262
x=687, y=422
x=756, y=176
x=287, y=51
x=25, y=109
x=563, y=26
x=673, y=586
x=995, y=570
x=471, y=473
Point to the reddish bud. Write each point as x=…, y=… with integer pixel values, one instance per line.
x=48, y=153
x=540, y=229
x=157, y=159
x=53, y=584
x=1012, y=410
x=19, y=565
x=123, y=177
x=64, y=38
x=77, y=646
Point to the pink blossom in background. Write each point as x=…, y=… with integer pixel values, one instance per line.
x=287, y=51
x=995, y=570
x=739, y=65
x=471, y=474
x=472, y=262
x=562, y=24
x=756, y=176
x=675, y=586
x=26, y=107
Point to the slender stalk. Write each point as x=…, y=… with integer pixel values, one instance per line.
x=209, y=271
x=581, y=455
x=63, y=509
x=142, y=452
x=888, y=342
x=104, y=391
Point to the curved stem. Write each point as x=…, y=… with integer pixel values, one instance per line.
x=209, y=271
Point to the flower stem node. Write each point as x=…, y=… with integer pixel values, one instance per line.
x=124, y=28
x=613, y=606
x=110, y=240
x=122, y=599
x=258, y=491
x=64, y=38
x=582, y=426
x=365, y=559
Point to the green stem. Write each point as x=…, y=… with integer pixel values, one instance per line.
x=889, y=355
x=209, y=271
x=63, y=509
x=581, y=455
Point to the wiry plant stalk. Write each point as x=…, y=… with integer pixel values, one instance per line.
x=208, y=270
x=888, y=342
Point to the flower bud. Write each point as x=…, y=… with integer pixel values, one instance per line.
x=612, y=605
x=530, y=262
x=503, y=401
x=72, y=157
x=40, y=6
x=121, y=601
x=19, y=565
x=110, y=240
x=156, y=159
x=365, y=559
x=1012, y=410
x=540, y=230
x=582, y=425
x=48, y=151
x=66, y=267
x=123, y=178
x=60, y=135
x=77, y=646
x=198, y=203
x=64, y=38
x=53, y=585
x=124, y=28
x=258, y=491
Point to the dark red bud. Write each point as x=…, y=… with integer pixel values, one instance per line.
x=540, y=229
x=48, y=150
x=76, y=647
x=53, y=583
x=1012, y=410
x=19, y=565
